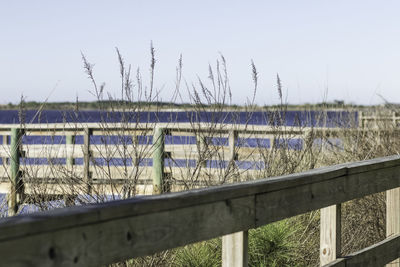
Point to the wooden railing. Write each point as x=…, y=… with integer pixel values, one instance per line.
x=99, y=234
x=375, y=119
x=151, y=180
x=235, y=240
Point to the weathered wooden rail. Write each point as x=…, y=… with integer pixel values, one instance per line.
x=374, y=119
x=56, y=179
x=238, y=207
x=99, y=234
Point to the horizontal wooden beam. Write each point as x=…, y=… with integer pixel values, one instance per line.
x=100, y=234
x=376, y=255
x=215, y=127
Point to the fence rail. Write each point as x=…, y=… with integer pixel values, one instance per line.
x=104, y=233
x=90, y=177
x=99, y=234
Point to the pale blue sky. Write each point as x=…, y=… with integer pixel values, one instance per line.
x=350, y=47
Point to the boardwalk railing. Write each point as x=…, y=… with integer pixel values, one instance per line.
x=100, y=234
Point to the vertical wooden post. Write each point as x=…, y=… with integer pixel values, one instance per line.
x=69, y=200
x=201, y=146
x=234, y=250
x=330, y=235
x=16, y=189
x=232, y=140
x=232, y=151
x=234, y=246
x=393, y=217
x=70, y=141
x=5, y=160
x=5, y=143
x=158, y=160
x=273, y=141
x=86, y=160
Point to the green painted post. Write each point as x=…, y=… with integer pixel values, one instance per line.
x=16, y=181
x=69, y=141
x=158, y=160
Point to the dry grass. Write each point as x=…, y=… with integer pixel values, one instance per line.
x=366, y=216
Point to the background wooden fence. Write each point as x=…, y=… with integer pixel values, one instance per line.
x=56, y=178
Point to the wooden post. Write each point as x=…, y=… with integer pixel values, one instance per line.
x=330, y=235
x=234, y=250
x=69, y=200
x=70, y=141
x=158, y=160
x=232, y=151
x=232, y=140
x=361, y=123
x=16, y=190
x=201, y=146
x=393, y=217
x=234, y=246
x=86, y=160
x=5, y=143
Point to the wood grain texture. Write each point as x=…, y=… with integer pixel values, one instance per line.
x=296, y=200
x=376, y=255
x=16, y=185
x=110, y=241
x=158, y=160
x=330, y=234
x=103, y=233
x=234, y=246
x=335, y=175
x=235, y=250
x=70, y=141
x=178, y=151
x=393, y=217
x=86, y=160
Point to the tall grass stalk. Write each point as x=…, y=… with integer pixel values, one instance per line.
x=288, y=152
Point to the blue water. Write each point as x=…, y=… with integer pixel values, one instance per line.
x=288, y=118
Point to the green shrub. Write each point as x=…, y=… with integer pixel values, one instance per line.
x=202, y=254
x=273, y=245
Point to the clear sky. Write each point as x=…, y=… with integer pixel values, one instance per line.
x=346, y=50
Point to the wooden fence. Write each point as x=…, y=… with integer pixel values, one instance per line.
x=99, y=234
x=71, y=179
x=374, y=119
